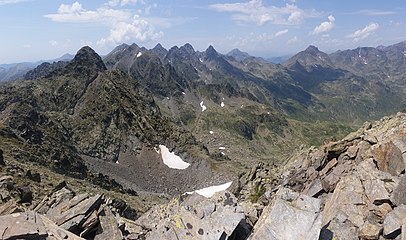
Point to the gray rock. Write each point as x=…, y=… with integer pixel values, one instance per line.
x=394, y=220
x=399, y=193
x=376, y=191
x=314, y=189
x=22, y=226
x=352, y=151
x=194, y=218
x=290, y=216
x=348, y=200
x=108, y=226
x=30, y=225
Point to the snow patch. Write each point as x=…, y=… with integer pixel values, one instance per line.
x=200, y=60
x=202, y=106
x=210, y=191
x=222, y=148
x=222, y=104
x=222, y=153
x=183, y=93
x=211, y=132
x=139, y=54
x=171, y=160
x=117, y=162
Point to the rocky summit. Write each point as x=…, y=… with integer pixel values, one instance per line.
x=181, y=144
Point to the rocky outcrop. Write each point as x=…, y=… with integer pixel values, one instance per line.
x=290, y=216
x=63, y=214
x=195, y=217
x=359, y=182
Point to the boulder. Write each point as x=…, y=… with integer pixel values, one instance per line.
x=25, y=194
x=194, y=217
x=399, y=193
x=348, y=200
x=108, y=226
x=394, y=220
x=290, y=216
x=369, y=231
x=30, y=225
x=389, y=158
x=22, y=226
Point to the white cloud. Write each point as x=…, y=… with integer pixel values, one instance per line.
x=27, y=46
x=364, y=33
x=324, y=26
x=5, y=2
x=293, y=40
x=123, y=32
x=255, y=11
x=124, y=24
x=375, y=12
x=280, y=33
x=75, y=13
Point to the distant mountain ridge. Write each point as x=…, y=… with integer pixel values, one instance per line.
x=15, y=71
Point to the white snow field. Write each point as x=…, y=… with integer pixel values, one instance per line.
x=210, y=191
x=171, y=160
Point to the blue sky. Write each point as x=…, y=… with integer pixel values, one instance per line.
x=45, y=29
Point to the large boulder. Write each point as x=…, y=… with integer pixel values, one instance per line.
x=290, y=216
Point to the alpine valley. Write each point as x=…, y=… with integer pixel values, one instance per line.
x=181, y=144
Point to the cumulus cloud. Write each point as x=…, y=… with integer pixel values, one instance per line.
x=364, y=33
x=255, y=11
x=324, y=26
x=124, y=24
x=75, y=13
x=123, y=32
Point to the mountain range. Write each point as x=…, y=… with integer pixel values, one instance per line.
x=149, y=124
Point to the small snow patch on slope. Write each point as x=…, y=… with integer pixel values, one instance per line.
x=222, y=104
x=210, y=191
x=172, y=160
x=139, y=54
x=202, y=106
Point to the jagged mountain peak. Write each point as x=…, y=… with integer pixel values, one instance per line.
x=312, y=49
x=160, y=51
x=86, y=56
x=211, y=53
x=238, y=54
x=189, y=48
x=310, y=57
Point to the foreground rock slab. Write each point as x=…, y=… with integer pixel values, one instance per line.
x=30, y=225
x=195, y=217
x=290, y=216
